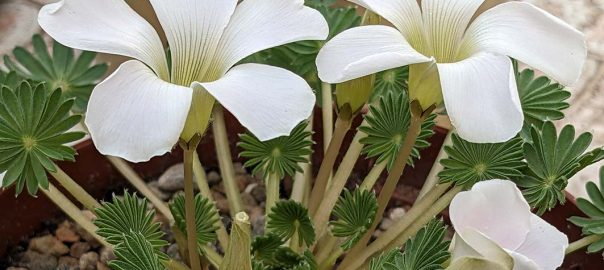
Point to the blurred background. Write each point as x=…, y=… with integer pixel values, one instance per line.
x=18, y=23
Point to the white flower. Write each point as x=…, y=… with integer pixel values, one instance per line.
x=494, y=216
x=465, y=63
x=142, y=109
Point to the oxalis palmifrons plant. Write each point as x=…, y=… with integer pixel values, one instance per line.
x=505, y=157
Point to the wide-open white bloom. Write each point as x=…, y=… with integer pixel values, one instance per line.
x=493, y=216
x=465, y=63
x=142, y=109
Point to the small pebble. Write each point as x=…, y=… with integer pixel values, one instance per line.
x=213, y=178
x=78, y=249
x=48, y=244
x=38, y=261
x=386, y=223
x=106, y=255
x=88, y=261
x=221, y=202
x=239, y=169
x=154, y=187
x=173, y=178
x=66, y=233
x=68, y=263
x=259, y=193
x=102, y=266
x=397, y=213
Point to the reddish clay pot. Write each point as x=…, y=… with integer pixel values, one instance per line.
x=21, y=217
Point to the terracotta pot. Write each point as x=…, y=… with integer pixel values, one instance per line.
x=21, y=217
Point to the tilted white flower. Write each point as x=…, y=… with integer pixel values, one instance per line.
x=142, y=109
x=461, y=61
x=494, y=216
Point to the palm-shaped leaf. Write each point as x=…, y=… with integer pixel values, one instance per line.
x=281, y=155
x=128, y=214
x=288, y=218
x=388, y=122
x=594, y=209
x=33, y=134
x=390, y=81
x=206, y=217
x=136, y=252
x=552, y=160
x=75, y=76
x=354, y=212
x=468, y=163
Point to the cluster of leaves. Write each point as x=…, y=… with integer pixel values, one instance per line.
x=281, y=156
x=270, y=253
x=390, y=81
x=468, y=163
x=206, y=217
x=127, y=224
x=594, y=209
x=354, y=213
x=427, y=250
x=552, y=160
x=388, y=122
x=33, y=134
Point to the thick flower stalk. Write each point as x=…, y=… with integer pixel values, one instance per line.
x=493, y=222
x=454, y=59
x=148, y=104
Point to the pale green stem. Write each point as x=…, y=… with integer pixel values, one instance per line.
x=137, y=182
x=225, y=161
x=194, y=260
x=175, y=265
x=302, y=180
x=583, y=243
x=212, y=256
x=327, y=109
x=331, y=261
x=321, y=217
x=76, y=190
x=73, y=212
x=326, y=248
x=399, y=232
x=373, y=176
x=272, y=192
x=329, y=160
x=432, y=179
x=237, y=256
x=204, y=188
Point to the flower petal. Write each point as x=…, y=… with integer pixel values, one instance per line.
x=481, y=209
x=445, y=23
x=531, y=35
x=405, y=15
x=545, y=245
x=193, y=29
x=268, y=101
x=521, y=262
x=135, y=115
x=109, y=26
x=365, y=50
x=474, y=244
x=261, y=24
x=481, y=97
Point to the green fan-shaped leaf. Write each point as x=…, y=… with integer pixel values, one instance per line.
x=542, y=100
x=388, y=122
x=354, y=212
x=286, y=259
x=594, y=209
x=10, y=79
x=206, y=217
x=75, y=76
x=468, y=163
x=288, y=218
x=128, y=214
x=136, y=252
x=265, y=247
x=281, y=156
x=33, y=134
x=390, y=81
x=552, y=160
x=426, y=251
